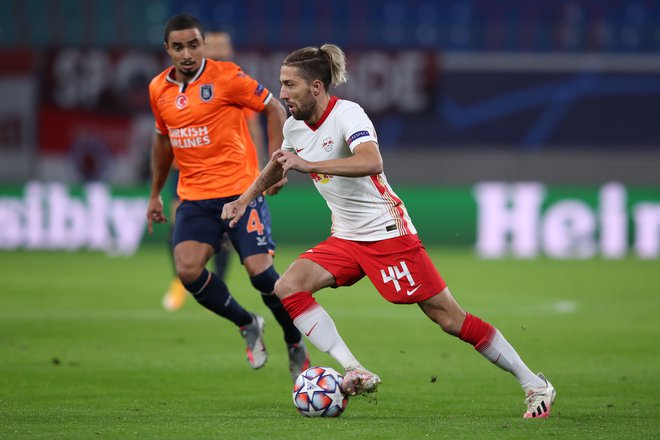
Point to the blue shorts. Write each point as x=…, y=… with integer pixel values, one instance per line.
x=199, y=220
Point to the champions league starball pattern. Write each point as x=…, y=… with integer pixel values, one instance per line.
x=317, y=393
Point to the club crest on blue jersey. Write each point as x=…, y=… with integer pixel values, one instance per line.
x=206, y=92
x=328, y=144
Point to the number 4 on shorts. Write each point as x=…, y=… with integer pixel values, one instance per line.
x=254, y=223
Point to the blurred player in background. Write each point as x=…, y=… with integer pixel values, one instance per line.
x=197, y=105
x=218, y=47
x=334, y=141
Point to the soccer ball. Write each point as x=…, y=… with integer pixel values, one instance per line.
x=317, y=393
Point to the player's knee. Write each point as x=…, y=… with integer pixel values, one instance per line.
x=284, y=287
x=188, y=273
x=265, y=281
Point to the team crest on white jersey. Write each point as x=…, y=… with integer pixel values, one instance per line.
x=328, y=144
x=181, y=101
x=206, y=92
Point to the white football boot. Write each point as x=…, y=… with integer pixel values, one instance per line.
x=359, y=381
x=539, y=400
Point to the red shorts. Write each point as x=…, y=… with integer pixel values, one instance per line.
x=399, y=267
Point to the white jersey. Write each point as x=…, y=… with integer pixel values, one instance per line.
x=363, y=208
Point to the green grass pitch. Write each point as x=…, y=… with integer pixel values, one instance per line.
x=87, y=352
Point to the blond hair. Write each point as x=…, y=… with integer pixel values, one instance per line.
x=326, y=63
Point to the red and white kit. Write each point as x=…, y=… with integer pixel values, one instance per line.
x=372, y=232
x=363, y=208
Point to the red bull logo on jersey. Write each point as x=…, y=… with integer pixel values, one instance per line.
x=328, y=144
x=320, y=177
x=190, y=137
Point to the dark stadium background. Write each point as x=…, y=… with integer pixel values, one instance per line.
x=565, y=94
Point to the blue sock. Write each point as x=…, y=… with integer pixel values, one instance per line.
x=265, y=283
x=221, y=261
x=211, y=292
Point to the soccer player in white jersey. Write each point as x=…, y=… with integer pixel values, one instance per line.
x=334, y=141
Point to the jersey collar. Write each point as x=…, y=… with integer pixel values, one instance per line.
x=182, y=86
x=324, y=116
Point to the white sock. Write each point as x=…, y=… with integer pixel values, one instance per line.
x=320, y=329
x=502, y=354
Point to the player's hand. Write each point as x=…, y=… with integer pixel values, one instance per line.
x=277, y=187
x=155, y=213
x=290, y=161
x=233, y=212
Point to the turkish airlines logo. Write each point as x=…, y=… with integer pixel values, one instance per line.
x=190, y=137
x=181, y=101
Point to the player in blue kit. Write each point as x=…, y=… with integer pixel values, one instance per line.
x=200, y=125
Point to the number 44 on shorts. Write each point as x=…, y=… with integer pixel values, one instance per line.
x=394, y=274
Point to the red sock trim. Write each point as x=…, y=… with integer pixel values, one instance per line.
x=476, y=332
x=299, y=303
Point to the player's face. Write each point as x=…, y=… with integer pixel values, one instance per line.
x=218, y=46
x=297, y=94
x=186, y=48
